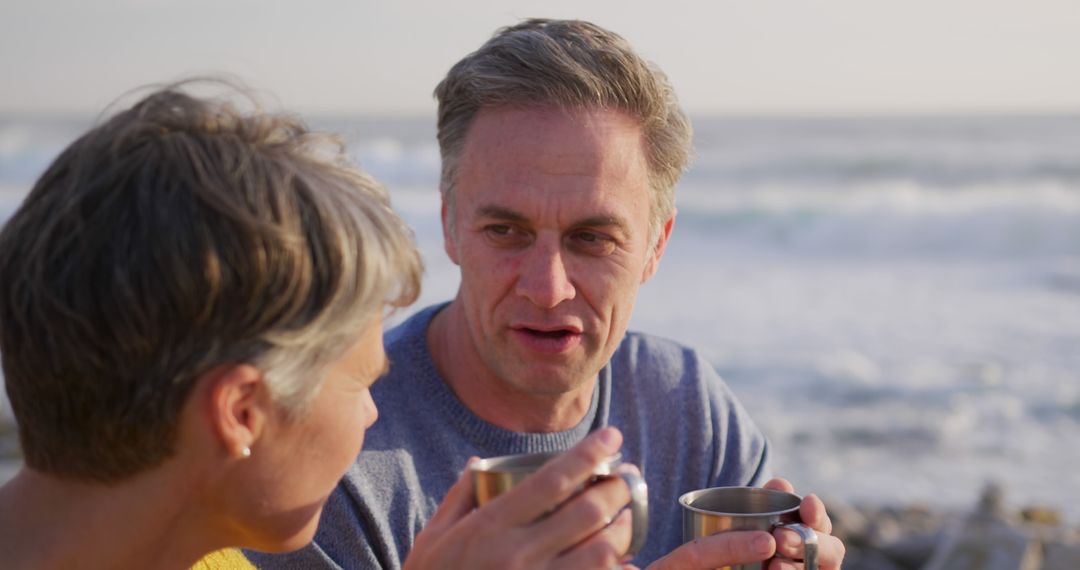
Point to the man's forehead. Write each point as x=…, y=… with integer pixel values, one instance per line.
x=512, y=121
x=512, y=140
x=509, y=214
x=551, y=166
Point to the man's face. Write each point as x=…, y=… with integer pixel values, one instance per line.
x=551, y=231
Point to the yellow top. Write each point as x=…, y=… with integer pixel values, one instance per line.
x=225, y=559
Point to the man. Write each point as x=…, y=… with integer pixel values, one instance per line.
x=561, y=148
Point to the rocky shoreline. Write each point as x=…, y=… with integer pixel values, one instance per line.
x=988, y=537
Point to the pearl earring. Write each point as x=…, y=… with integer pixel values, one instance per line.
x=245, y=452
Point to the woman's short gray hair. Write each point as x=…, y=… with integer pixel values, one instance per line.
x=178, y=236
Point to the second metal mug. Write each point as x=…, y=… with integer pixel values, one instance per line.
x=719, y=509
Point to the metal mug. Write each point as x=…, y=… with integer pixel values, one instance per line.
x=496, y=475
x=720, y=509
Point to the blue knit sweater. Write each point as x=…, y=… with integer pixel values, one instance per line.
x=681, y=425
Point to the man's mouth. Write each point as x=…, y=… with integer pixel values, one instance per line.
x=556, y=334
x=549, y=340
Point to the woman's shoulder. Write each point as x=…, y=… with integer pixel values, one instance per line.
x=224, y=559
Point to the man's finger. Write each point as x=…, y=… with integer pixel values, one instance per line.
x=813, y=514
x=789, y=544
x=584, y=515
x=779, y=484
x=831, y=550
x=602, y=550
x=723, y=549
x=556, y=481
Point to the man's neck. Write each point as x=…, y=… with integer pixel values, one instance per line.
x=490, y=398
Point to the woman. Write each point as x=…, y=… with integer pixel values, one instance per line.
x=191, y=313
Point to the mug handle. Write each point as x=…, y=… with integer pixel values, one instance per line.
x=810, y=543
x=639, y=510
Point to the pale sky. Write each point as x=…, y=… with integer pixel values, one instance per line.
x=724, y=56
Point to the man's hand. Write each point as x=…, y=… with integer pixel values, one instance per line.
x=812, y=512
x=744, y=547
x=545, y=522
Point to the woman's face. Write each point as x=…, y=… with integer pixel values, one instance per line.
x=296, y=463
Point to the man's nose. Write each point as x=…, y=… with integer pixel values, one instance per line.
x=544, y=279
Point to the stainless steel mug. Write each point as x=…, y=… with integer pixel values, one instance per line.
x=496, y=475
x=720, y=509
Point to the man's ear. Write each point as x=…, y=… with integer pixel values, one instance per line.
x=449, y=243
x=653, y=262
x=239, y=406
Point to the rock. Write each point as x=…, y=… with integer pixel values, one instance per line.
x=1061, y=557
x=985, y=540
x=913, y=550
x=920, y=518
x=884, y=529
x=849, y=523
x=1042, y=515
x=991, y=502
x=870, y=560
x=990, y=537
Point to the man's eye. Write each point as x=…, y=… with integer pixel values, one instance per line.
x=593, y=243
x=504, y=234
x=498, y=230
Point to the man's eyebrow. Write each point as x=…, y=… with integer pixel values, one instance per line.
x=603, y=221
x=500, y=213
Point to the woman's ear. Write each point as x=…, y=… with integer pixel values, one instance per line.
x=238, y=407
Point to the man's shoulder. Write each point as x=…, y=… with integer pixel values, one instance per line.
x=412, y=328
x=663, y=390
x=661, y=366
x=411, y=368
x=654, y=353
x=634, y=338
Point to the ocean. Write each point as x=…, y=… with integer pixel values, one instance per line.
x=895, y=300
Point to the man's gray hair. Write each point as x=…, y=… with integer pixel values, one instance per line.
x=568, y=64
